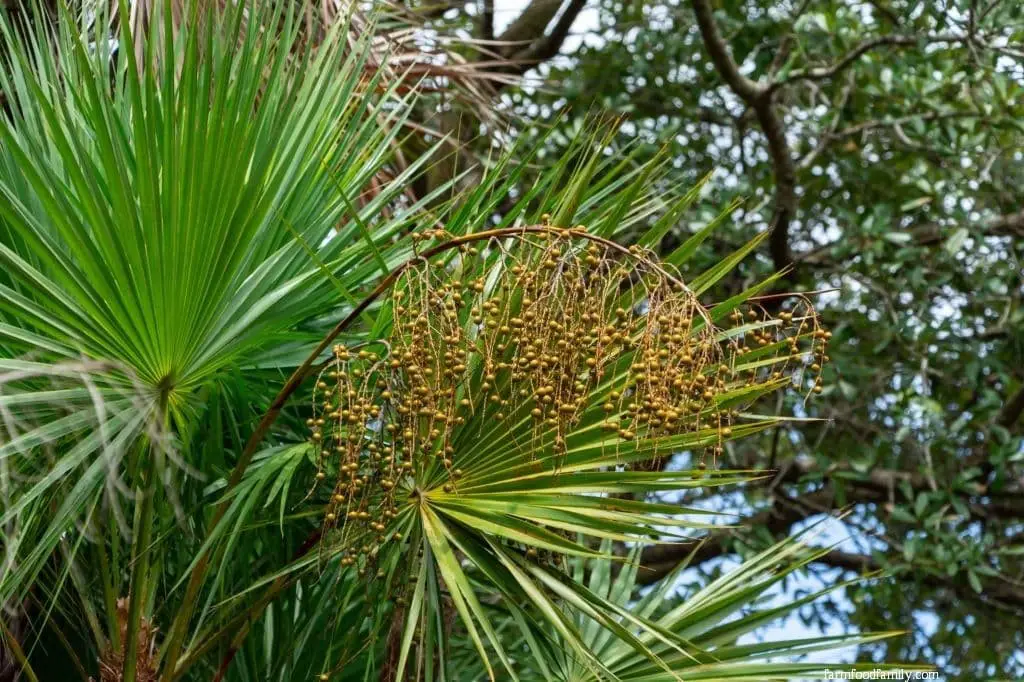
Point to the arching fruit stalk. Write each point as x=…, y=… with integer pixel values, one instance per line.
x=540, y=337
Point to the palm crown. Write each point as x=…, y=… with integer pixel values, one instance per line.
x=184, y=216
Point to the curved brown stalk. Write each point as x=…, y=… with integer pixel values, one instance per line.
x=177, y=633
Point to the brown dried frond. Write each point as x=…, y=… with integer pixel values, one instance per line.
x=112, y=661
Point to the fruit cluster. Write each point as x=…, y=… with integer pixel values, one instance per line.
x=537, y=338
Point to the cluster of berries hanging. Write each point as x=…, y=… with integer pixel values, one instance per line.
x=539, y=336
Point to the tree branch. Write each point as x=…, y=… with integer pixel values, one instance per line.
x=659, y=561
x=487, y=20
x=525, y=43
x=548, y=46
x=865, y=126
x=879, y=485
x=746, y=89
x=844, y=62
x=759, y=97
x=931, y=234
x=1012, y=410
x=996, y=591
x=1009, y=225
x=876, y=487
x=530, y=25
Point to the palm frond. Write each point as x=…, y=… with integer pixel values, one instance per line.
x=693, y=635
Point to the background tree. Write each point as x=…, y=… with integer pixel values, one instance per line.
x=881, y=144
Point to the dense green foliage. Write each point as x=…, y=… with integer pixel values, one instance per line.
x=184, y=220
